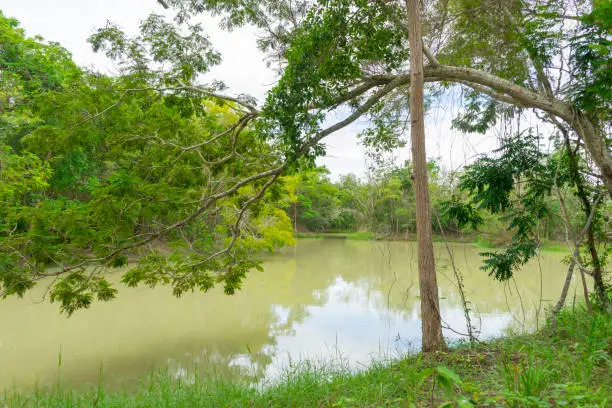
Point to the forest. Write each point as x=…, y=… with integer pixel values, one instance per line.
x=152, y=177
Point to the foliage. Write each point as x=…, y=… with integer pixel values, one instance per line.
x=516, y=181
x=317, y=200
x=382, y=204
x=592, y=60
x=159, y=43
x=156, y=177
x=28, y=68
x=479, y=116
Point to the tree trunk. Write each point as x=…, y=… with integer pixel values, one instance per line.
x=430, y=304
x=587, y=208
x=564, y=290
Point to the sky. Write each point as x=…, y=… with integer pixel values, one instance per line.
x=71, y=22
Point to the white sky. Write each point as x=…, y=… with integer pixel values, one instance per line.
x=70, y=22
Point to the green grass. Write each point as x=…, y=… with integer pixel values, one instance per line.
x=554, y=247
x=355, y=236
x=310, y=235
x=570, y=367
x=547, y=246
x=483, y=242
x=361, y=236
x=480, y=241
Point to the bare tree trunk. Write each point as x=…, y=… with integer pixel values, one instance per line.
x=587, y=208
x=430, y=304
x=561, y=301
x=585, y=289
x=576, y=258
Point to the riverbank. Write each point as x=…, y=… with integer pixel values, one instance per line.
x=568, y=367
x=478, y=240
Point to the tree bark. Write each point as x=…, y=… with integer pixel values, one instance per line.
x=430, y=304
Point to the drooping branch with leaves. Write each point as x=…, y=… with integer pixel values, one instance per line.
x=145, y=168
x=149, y=168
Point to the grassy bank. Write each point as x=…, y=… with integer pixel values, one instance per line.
x=570, y=367
x=478, y=240
x=353, y=236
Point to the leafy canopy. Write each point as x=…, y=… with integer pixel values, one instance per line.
x=103, y=172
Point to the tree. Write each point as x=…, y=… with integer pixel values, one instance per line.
x=519, y=181
x=106, y=168
x=329, y=54
x=318, y=206
x=430, y=303
x=477, y=42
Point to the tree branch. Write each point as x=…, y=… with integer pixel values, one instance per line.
x=522, y=96
x=207, y=202
x=430, y=56
x=393, y=84
x=403, y=26
x=487, y=91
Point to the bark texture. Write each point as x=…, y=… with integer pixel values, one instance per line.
x=430, y=304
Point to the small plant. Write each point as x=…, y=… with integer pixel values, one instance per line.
x=450, y=384
x=524, y=378
x=532, y=378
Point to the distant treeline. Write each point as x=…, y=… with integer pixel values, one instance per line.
x=383, y=203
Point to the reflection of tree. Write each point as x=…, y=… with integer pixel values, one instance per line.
x=237, y=335
x=384, y=274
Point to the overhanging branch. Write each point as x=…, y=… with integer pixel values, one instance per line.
x=208, y=201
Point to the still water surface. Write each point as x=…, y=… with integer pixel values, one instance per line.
x=328, y=300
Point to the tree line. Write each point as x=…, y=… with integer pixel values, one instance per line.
x=382, y=202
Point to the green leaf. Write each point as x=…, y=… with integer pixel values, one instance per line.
x=448, y=375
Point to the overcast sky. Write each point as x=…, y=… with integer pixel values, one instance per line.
x=70, y=22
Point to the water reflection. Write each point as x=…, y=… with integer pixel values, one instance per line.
x=325, y=299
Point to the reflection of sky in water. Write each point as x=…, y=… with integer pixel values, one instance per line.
x=350, y=327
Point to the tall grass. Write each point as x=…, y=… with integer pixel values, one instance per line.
x=568, y=367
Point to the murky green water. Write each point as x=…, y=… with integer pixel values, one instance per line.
x=326, y=299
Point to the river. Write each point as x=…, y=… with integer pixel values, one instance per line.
x=337, y=301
